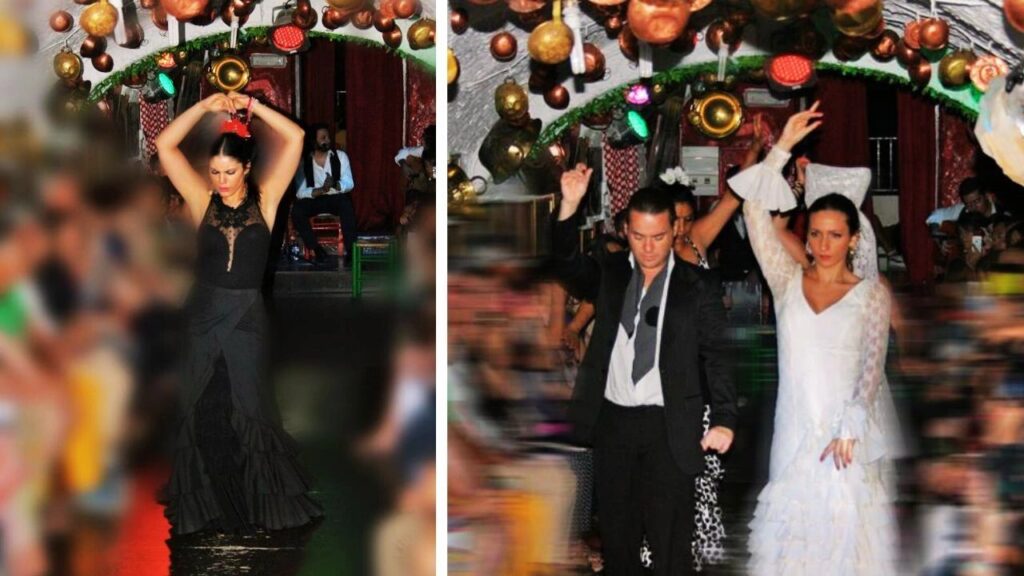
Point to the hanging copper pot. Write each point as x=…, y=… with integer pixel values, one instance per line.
x=921, y=72
x=305, y=16
x=230, y=13
x=511, y=102
x=333, y=18
x=459, y=20
x=658, y=21
x=884, y=49
x=542, y=77
x=185, y=10
x=382, y=21
x=93, y=46
x=722, y=32
x=61, y=21
x=228, y=73
x=557, y=97
x=716, y=114
x=67, y=65
x=159, y=18
x=686, y=42
x=593, y=61
x=912, y=34
x=346, y=5
x=393, y=37
x=526, y=6
x=421, y=34
x=503, y=46
x=783, y=10
x=955, y=68
x=628, y=44
x=100, y=19
x=613, y=25
x=858, y=17
x=934, y=34
x=406, y=8
x=134, y=35
x=551, y=42
x=148, y=4
x=906, y=55
x=103, y=63
x=363, y=19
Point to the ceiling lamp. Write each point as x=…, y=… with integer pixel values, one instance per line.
x=285, y=36
x=160, y=86
x=627, y=129
x=790, y=72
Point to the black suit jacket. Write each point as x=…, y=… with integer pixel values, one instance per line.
x=693, y=334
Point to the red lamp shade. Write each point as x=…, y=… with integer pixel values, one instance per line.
x=790, y=72
x=288, y=38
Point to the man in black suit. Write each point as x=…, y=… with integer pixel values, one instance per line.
x=637, y=398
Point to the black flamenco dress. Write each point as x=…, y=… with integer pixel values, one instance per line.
x=234, y=467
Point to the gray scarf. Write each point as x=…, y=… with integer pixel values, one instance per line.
x=646, y=342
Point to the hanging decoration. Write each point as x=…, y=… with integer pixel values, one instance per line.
x=985, y=69
x=884, y=48
x=99, y=19
x=459, y=20
x=185, y=10
x=551, y=42
x=784, y=10
x=67, y=65
x=955, y=68
x=511, y=102
x=658, y=21
x=717, y=114
x=453, y=67
x=1014, y=12
x=421, y=34
x=503, y=46
x=229, y=73
x=934, y=34
x=61, y=21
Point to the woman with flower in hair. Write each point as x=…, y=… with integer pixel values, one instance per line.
x=234, y=468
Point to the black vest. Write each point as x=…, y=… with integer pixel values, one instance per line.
x=307, y=169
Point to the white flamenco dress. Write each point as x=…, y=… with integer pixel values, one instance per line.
x=811, y=518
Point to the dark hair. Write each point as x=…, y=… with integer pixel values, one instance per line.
x=971, y=222
x=683, y=195
x=969, y=186
x=317, y=128
x=652, y=201
x=242, y=149
x=619, y=220
x=839, y=203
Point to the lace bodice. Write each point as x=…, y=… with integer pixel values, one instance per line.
x=233, y=244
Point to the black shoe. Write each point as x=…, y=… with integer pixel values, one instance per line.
x=321, y=255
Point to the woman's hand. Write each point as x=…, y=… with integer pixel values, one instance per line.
x=841, y=450
x=239, y=101
x=218, y=103
x=799, y=126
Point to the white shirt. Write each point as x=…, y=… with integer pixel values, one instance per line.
x=321, y=175
x=619, y=388
x=952, y=213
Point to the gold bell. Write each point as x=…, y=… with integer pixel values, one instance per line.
x=228, y=73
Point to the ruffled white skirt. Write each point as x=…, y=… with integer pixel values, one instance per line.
x=813, y=519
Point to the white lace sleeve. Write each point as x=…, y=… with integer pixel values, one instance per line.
x=763, y=183
x=760, y=186
x=865, y=415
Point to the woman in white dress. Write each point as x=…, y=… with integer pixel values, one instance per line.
x=826, y=508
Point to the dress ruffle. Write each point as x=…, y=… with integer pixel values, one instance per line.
x=273, y=485
x=819, y=520
x=764, y=185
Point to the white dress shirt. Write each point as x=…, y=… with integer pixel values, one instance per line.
x=322, y=174
x=619, y=388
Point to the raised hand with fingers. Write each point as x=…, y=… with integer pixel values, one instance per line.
x=574, y=187
x=799, y=126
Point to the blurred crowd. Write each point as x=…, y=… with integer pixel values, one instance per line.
x=92, y=268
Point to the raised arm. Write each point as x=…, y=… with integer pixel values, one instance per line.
x=192, y=186
x=707, y=228
x=278, y=177
x=764, y=189
x=580, y=274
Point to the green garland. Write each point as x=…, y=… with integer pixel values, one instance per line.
x=616, y=97
x=245, y=35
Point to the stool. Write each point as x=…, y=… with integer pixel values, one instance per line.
x=327, y=228
x=372, y=249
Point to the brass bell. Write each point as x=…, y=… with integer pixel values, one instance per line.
x=716, y=115
x=228, y=73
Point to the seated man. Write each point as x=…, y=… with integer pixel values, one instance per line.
x=324, y=183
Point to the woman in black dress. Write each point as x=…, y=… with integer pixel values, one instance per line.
x=234, y=468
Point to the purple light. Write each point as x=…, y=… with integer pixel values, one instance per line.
x=638, y=95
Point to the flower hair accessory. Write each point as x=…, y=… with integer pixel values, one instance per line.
x=675, y=175
x=234, y=125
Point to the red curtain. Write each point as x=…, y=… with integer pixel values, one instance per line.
x=916, y=152
x=957, y=152
x=420, y=106
x=375, y=105
x=842, y=139
x=318, y=84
